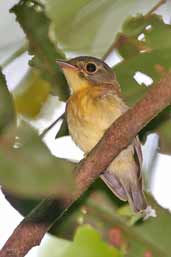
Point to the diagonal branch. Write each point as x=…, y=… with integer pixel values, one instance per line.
x=32, y=229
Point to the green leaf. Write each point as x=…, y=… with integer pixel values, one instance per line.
x=30, y=170
x=89, y=26
x=133, y=26
x=147, y=63
x=160, y=125
x=102, y=211
x=122, y=229
x=152, y=26
x=153, y=61
x=7, y=110
x=157, y=230
x=143, y=34
x=31, y=94
x=87, y=243
x=23, y=205
x=33, y=102
x=55, y=246
x=44, y=51
x=128, y=46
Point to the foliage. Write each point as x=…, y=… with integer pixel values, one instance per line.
x=118, y=225
x=145, y=52
x=44, y=51
x=128, y=231
x=7, y=112
x=55, y=30
x=87, y=242
x=29, y=89
x=26, y=167
x=88, y=27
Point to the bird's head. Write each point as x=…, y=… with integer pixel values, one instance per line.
x=85, y=71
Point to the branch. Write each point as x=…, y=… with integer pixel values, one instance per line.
x=154, y=8
x=115, y=45
x=32, y=229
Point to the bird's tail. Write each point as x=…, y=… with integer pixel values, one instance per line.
x=136, y=198
x=126, y=189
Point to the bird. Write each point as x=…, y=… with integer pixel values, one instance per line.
x=95, y=102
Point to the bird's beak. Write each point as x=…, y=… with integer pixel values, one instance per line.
x=65, y=65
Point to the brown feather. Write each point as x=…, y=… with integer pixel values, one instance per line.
x=95, y=103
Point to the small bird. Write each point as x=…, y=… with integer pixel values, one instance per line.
x=94, y=104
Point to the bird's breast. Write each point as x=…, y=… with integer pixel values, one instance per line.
x=90, y=113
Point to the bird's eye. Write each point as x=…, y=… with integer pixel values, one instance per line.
x=91, y=67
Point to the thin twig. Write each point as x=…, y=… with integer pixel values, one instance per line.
x=121, y=133
x=122, y=39
x=154, y=8
x=15, y=55
x=46, y=130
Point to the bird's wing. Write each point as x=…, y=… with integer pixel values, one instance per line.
x=138, y=152
x=127, y=184
x=114, y=184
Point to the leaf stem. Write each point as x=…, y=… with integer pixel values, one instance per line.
x=154, y=8
x=15, y=55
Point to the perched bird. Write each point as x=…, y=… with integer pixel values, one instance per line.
x=95, y=103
